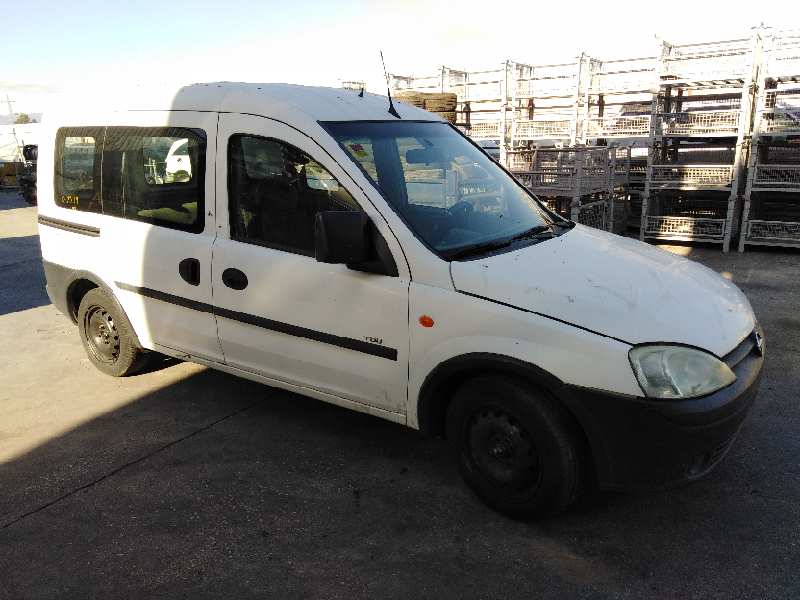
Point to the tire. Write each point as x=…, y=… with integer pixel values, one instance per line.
x=107, y=336
x=517, y=448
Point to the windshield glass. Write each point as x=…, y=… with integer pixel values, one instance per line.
x=451, y=194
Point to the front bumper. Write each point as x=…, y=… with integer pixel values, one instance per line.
x=639, y=443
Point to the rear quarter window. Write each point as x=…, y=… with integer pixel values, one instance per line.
x=77, y=168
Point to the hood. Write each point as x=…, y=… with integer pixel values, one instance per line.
x=616, y=286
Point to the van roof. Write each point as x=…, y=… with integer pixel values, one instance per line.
x=287, y=102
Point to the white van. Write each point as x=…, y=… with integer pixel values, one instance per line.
x=319, y=244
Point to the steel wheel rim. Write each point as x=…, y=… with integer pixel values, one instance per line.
x=501, y=449
x=101, y=334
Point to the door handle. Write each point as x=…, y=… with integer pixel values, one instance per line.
x=189, y=269
x=234, y=278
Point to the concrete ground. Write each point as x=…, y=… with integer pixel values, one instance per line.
x=185, y=482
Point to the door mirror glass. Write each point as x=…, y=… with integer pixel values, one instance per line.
x=30, y=152
x=342, y=237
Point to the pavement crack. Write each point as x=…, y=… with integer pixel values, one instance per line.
x=126, y=465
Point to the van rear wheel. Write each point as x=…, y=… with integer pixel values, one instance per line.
x=107, y=336
x=516, y=447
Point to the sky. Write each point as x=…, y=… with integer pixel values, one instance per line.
x=53, y=46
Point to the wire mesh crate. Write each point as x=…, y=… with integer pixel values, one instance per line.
x=568, y=172
x=772, y=177
x=546, y=81
x=549, y=180
x=773, y=219
x=619, y=126
x=484, y=130
x=638, y=170
x=691, y=176
x=592, y=214
x=772, y=233
x=625, y=75
x=782, y=54
x=488, y=85
x=519, y=160
x=702, y=123
x=621, y=157
x=688, y=216
x=775, y=166
x=685, y=228
x=480, y=97
x=543, y=128
x=771, y=213
x=709, y=61
x=781, y=112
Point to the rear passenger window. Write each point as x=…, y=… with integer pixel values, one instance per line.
x=275, y=192
x=77, y=168
x=155, y=175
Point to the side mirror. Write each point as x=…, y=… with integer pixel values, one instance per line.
x=342, y=237
x=30, y=152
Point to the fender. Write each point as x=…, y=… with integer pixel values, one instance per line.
x=61, y=282
x=445, y=378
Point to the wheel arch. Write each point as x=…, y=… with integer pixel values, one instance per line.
x=77, y=289
x=437, y=391
x=67, y=287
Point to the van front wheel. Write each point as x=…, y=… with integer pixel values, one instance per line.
x=517, y=448
x=107, y=336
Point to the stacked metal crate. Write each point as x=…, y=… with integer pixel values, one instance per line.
x=549, y=154
x=771, y=214
x=575, y=181
x=674, y=129
x=621, y=161
x=698, y=133
x=619, y=114
x=481, y=95
x=547, y=103
x=537, y=115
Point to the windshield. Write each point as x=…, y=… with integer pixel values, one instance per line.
x=452, y=195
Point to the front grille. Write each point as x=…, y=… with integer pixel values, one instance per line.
x=743, y=350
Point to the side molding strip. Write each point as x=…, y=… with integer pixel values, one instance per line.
x=67, y=226
x=165, y=297
x=264, y=323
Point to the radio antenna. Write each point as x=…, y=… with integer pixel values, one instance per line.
x=392, y=110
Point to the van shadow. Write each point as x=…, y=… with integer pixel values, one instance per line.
x=217, y=486
x=22, y=280
x=10, y=200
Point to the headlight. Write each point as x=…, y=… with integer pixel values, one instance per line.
x=678, y=372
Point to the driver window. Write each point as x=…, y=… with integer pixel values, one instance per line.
x=275, y=192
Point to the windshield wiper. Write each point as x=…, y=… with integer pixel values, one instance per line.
x=533, y=232
x=475, y=249
x=484, y=247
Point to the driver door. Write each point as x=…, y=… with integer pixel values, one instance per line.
x=281, y=313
